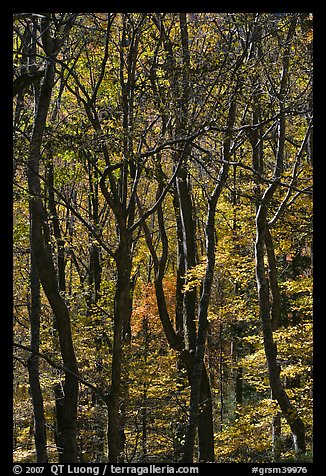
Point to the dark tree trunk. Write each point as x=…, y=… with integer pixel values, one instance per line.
x=33, y=368
x=44, y=263
x=289, y=411
x=180, y=266
x=60, y=259
x=198, y=368
x=275, y=323
x=205, y=420
x=189, y=255
x=122, y=314
x=175, y=338
x=184, y=193
x=59, y=420
x=270, y=311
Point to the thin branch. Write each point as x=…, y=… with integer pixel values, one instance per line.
x=86, y=223
x=57, y=366
x=165, y=191
x=291, y=186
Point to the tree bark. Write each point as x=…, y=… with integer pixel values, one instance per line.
x=33, y=368
x=180, y=280
x=198, y=368
x=59, y=420
x=205, y=420
x=203, y=323
x=189, y=256
x=43, y=258
x=289, y=411
x=270, y=312
x=176, y=338
x=122, y=314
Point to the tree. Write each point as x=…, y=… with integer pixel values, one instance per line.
x=52, y=42
x=270, y=313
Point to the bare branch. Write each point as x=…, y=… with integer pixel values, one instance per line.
x=57, y=366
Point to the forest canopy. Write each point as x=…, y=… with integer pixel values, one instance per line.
x=162, y=206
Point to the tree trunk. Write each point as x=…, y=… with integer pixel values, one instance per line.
x=122, y=314
x=276, y=322
x=205, y=420
x=33, y=368
x=187, y=260
x=198, y=368
x=47, y=272
x=180, y=281
x=60, y=258
x=189, y=255
x=59, y=420
x=270, y=312
x=206, y=294
x=175, y=338
x=289, y=411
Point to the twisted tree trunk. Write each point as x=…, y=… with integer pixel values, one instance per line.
x=33, y=368
x=265, y=311
x=42, y=252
